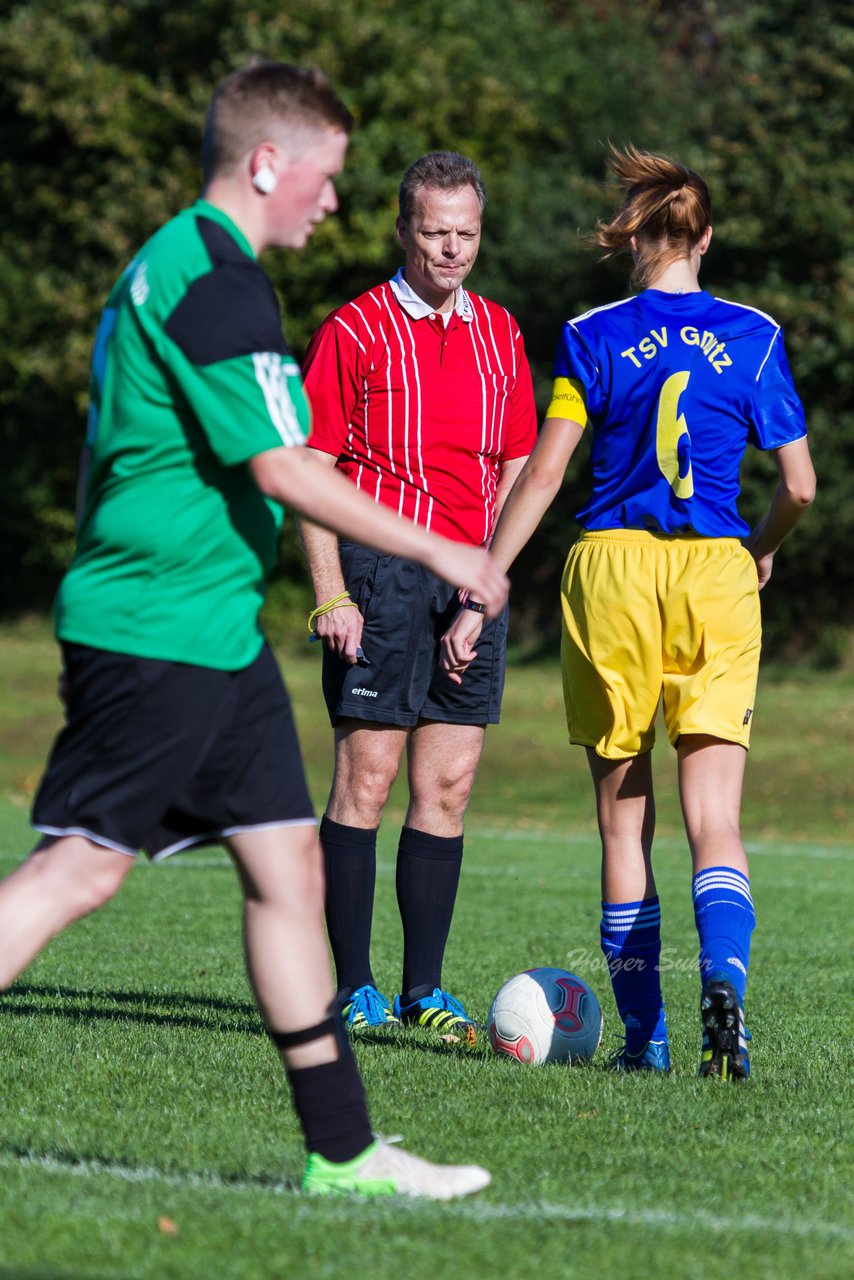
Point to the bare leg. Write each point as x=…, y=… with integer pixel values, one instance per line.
x=711, y=775
x=626, y=811
x=367, y=758
x=286, y=954
x=61, y=881
x=631, y=920
x=443, y=760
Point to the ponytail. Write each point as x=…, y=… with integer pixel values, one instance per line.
x=667, y=207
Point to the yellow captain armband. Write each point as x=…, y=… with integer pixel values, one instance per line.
x=337, y=602
x=568, y=401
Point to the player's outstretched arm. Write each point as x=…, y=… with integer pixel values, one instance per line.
x=526, y=504
x=296, y=478
x=792, y=496
x=535, y=489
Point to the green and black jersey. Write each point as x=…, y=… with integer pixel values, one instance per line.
x=191, y=378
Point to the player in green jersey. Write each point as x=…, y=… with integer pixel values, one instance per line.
x=178, y=728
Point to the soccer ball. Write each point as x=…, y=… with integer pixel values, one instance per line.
x=545, y=1015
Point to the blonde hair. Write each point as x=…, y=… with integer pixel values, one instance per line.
x=262, y=100
x=666, y=208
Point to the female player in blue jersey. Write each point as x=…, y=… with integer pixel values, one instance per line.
x=660, y=592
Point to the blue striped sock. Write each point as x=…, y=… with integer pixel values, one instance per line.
x=723, y=911
x=631, y=942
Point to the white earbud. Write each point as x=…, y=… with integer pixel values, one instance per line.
x=264, y=180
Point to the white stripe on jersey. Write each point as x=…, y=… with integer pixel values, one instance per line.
x=477, y=338
x=513, y=338
x=767, y=353
x=352, y=334
x=607, y=306
x=742, y=306
x=273, y=381
x=494, y=444
x=389, y=417
x=403, y=371
x=412, y=391
x=364, y=320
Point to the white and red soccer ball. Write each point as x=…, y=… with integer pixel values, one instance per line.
x=545, y=1015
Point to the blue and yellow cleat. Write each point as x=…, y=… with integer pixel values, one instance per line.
x=437, y=1012
x=724, y=1052
x=366, y=1007
x=654, y=1056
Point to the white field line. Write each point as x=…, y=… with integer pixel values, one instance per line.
x=790, y=849
x=773, y=848
x=478, y=1210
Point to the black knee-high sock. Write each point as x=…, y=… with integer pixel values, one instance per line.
x=350, y=858
x=428, y=872
x=332, y=1109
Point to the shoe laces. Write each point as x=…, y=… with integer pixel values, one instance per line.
x=368, y=1001
x=617, y=1056
x=446, y=1001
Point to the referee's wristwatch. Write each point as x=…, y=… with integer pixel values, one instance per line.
x=475, y=606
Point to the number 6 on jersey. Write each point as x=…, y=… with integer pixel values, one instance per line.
x=672, y=439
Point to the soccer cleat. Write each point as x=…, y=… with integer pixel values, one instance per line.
x=439, y=1012
x=387, y=1170
x=367, y=1007
x=724, y=1051
x=654, y=1056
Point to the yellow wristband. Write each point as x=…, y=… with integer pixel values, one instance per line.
x=337, y=602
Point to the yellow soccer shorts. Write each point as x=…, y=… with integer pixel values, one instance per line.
x=650, y=618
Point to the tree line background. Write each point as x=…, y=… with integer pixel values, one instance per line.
x=101, y=105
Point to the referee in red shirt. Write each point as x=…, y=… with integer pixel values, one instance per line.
x=421, y=395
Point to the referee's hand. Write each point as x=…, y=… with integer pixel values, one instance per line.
x=471, y=569
x=457, y=645
x=341, y=631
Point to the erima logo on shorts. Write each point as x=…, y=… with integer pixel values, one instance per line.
x=366, y=693
x=748, y=713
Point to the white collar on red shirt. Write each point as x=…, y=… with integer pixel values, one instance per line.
x=416, y=308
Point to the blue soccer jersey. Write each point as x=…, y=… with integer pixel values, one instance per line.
x=674, y=386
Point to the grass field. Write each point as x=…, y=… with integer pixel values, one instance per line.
x=146, y=1132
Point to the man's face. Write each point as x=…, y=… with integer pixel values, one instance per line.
x=441, y=241
x=305, y=191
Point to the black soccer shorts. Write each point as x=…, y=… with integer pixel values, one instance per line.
x=163, y=756
x=407, y=610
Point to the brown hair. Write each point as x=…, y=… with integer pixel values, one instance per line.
x=667, y=207
x=264, y=99
x=443, y=169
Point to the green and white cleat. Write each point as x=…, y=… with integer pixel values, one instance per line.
x=387, y=1170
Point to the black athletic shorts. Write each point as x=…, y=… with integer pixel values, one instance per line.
x=161, y=756
x=407, y=610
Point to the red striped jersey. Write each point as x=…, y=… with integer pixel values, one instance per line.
x=420, y=414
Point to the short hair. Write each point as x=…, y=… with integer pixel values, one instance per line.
x=443, y=169
x=666, y=206
x=260, y=100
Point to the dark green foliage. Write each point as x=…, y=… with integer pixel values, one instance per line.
x=100, y=115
